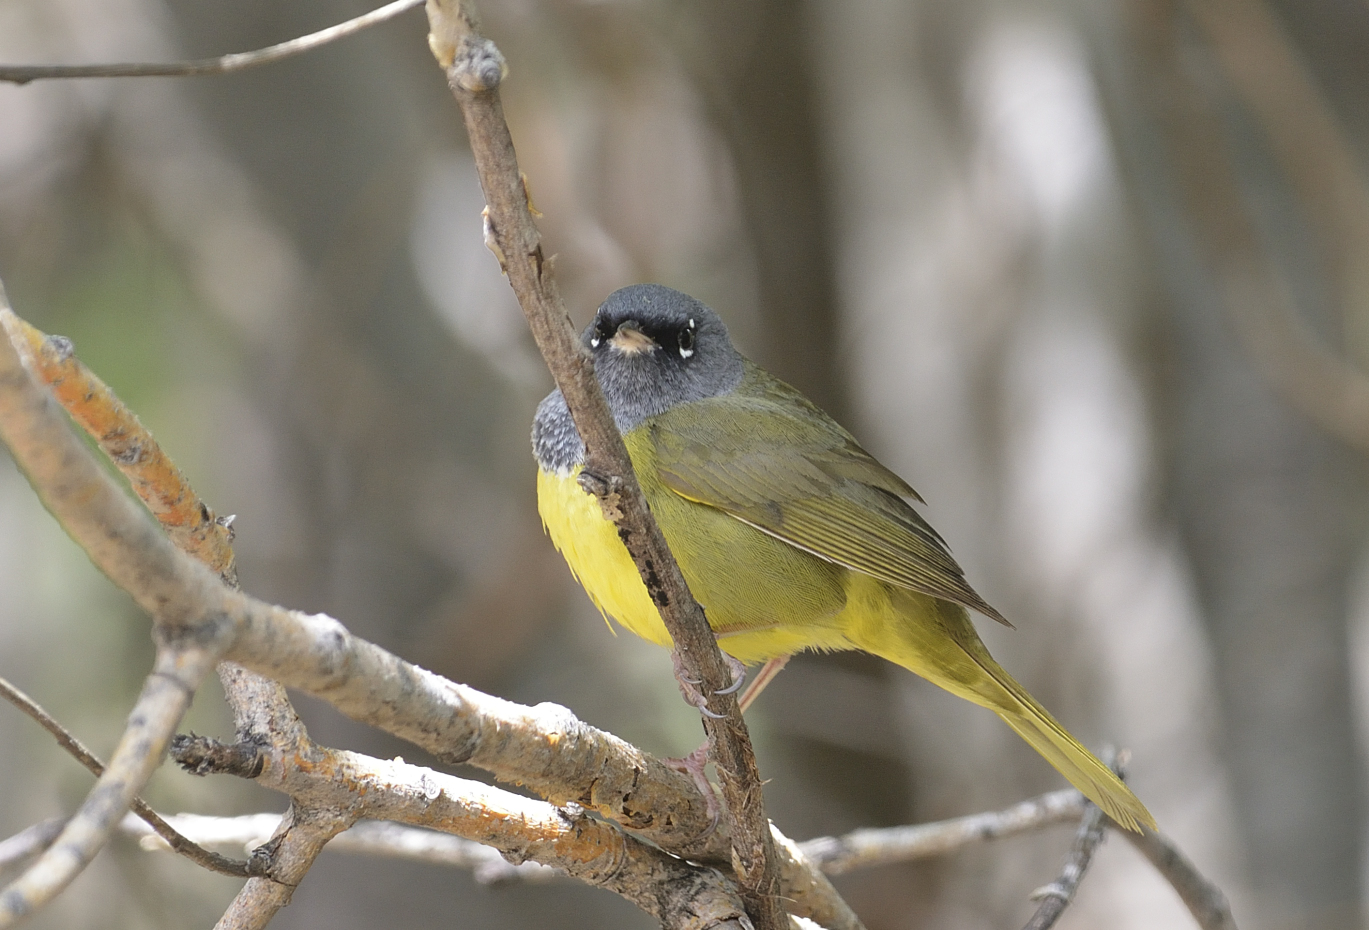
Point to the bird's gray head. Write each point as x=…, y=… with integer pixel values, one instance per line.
x=654, y=348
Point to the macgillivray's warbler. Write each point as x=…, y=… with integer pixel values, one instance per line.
x=790, y=535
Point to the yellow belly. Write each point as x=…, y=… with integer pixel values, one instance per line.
x=762, y=596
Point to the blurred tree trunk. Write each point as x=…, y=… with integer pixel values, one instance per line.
x=755, y=64
x=1271, y=511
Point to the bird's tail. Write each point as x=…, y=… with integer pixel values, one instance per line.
x=1082, y=768
x=936, y=640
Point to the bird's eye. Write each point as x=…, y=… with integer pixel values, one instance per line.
x=601, y=332
x=687, y=340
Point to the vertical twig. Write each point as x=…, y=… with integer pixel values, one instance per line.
x=475, y=68
x=1057, y=896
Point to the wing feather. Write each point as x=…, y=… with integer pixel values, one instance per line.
x=770, y=458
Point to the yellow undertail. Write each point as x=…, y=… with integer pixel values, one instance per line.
x=935, y=640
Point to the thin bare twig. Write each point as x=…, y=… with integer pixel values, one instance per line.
x=865, y=848
x=223, y=64
x=870, y=847
x=180, y=844
x=1057, y=896
x=371, y=837
x=1205, y=900
x=164, y=699
x=475, y=68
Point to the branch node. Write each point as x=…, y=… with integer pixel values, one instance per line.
x=607, y=488
x=492, y=241
x=479, y=66
x=1053, y=890
x=203, y=755
x=60, y=346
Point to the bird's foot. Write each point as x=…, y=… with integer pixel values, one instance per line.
x=689, y=686
x=694, y=765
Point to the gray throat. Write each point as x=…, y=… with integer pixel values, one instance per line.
x=555, y=441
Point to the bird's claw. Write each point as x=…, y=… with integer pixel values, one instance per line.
x=738, y=671
x=689, y=686
x=734, y=687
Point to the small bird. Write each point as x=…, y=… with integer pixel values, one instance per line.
x=790, y=535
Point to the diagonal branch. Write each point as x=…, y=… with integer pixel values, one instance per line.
x=157, y=481
x=1205, y=901
x=262, y=711
x=189, y=640
x=30, y=842
x=164, y=699
x=223, y=64
x=475, y=69
x=179, y=843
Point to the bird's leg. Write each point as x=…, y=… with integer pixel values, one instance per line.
x=694, y=766
x=767, y=673
x=696, y=763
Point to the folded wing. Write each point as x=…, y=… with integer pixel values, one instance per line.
x=773, y=460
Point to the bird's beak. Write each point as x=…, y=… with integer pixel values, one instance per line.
x=630, y=340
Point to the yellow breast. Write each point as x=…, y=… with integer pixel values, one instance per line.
x=762, y=596
x=595, y=554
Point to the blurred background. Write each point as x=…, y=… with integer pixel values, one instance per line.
x=1094, y=277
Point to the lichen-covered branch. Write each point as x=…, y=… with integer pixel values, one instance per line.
x=351, y=786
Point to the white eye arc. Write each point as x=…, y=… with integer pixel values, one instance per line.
x=687, y=340
x=594, y=342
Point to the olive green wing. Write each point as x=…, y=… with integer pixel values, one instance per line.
x=768, y=457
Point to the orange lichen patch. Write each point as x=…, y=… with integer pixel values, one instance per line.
x=154, y=477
